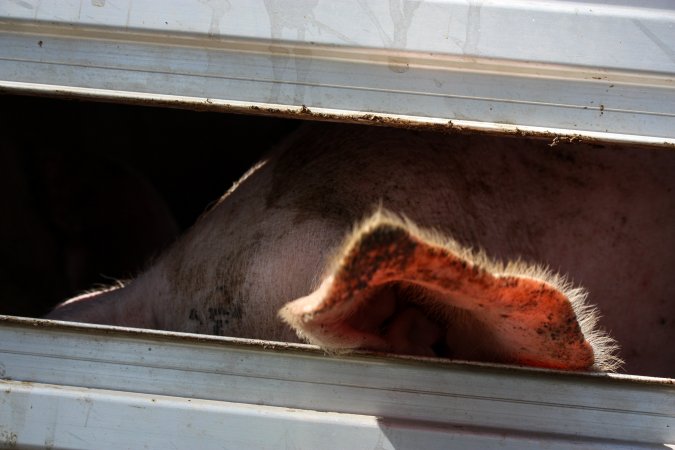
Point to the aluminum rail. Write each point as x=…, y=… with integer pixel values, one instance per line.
x=75, y=386
x=601, y=70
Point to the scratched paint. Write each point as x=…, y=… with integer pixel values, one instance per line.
x=401, y=13
x=294, y=20
x=472, y=36
x=218, y=9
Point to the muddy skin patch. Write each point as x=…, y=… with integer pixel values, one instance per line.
x=386, y=249
x=305, y=182
x=333, y=175
x=217, y=307
x=395, y=291
x=216, y=318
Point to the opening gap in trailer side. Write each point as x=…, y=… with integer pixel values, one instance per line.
x=340, y=225
x=80, y=194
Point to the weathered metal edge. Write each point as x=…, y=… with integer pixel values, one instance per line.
x=302, y=112
x=96, y=418
x=313, y=350
x=416, y=390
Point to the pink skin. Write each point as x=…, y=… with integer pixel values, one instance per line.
x=602, y=215
x=397, y=291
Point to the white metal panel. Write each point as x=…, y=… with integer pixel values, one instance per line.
x=554, y=66
x=413, y=400
x=97, y=419
x=574, y=33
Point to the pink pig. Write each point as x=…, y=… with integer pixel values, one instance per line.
x=429, y=244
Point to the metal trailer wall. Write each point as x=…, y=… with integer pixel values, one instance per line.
x=70, y=386
x=598, y=69
x=589, y=70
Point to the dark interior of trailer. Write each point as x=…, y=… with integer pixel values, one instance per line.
x=94, y=190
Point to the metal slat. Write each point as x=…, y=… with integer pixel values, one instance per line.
x=600, y=70
x=93, y=418
x=547, y=67
x=519, y=403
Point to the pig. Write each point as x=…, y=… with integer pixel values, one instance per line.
x=431, y=244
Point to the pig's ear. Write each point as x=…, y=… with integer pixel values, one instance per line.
x=398, y=289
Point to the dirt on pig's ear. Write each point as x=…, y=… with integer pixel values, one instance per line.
x=396, y=288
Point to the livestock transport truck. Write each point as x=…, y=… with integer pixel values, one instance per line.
x=599, y=72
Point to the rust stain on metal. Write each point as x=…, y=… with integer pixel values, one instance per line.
x=304, y=112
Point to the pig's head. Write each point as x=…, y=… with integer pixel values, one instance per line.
x=396, y=288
